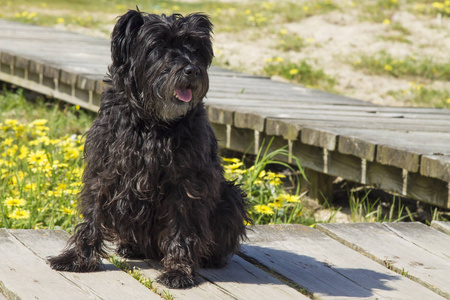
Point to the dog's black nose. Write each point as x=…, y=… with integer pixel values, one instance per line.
x=191, y=71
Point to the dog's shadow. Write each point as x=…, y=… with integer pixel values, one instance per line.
x=260, y=265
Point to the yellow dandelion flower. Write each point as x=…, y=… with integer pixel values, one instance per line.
x=61, y=187
x=283, y=31
x=247, y=11
x=67, y=210
x=175, y=8
x=263, y=209
x=30, y=186
x=388, y=67
x=37, y=158
x=19, y=214
x=258, y=182
x=279, y=59
x=31, y=15
x=448, y=101
x=10, y=202
x=293, y=72
x=438, y=5
x=71, y=153
x=7, y=142
x=39, y=122
x=24, y=151
x=291, y=198
x=231, y=160
x=60, y=20
x=277, y=203
x=234, y=166
x=11, y=123
x=387, y=22
x=275, y=181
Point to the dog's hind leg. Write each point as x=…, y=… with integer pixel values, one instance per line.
x=84, y=250
x=228, y=225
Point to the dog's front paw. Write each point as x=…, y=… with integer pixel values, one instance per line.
x=70, y=261
x=176, y=280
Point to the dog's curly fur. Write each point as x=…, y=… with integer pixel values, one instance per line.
x=153, y=182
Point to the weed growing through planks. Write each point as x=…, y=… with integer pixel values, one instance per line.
x=365, y=210
x=137, y=274
x=270, y=203
x=300, y=72
x=404, y=273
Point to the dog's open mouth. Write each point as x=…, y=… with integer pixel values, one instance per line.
x=184, y=95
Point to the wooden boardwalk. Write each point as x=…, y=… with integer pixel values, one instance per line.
x=397, y=149
x=337, y=261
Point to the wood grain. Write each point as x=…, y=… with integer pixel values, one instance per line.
x=380, y=243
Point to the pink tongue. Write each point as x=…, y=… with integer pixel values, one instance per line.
x=184, y=95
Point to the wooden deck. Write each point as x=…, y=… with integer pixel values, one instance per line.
x=337, y=261
x=401, y=150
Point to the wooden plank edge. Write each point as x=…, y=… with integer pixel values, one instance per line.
x=437, y=166
x=323, y=228
x=48, y=91
x=441, y=226
x=276, y=275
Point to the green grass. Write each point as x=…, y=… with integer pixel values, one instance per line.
x=300, y=72
x=366, y=209
x=290, y=42
x=420, y=94
x=137, y=274
x=410, y=67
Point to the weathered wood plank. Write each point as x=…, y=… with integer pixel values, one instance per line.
x=237, y=280
x=326, y=268
x=427, y=189
x=437, y=166
x=441, y=226
x=245, y=281
x=23, y=275
x=384, y=246
x=423, y=236
x=205, y=290
x=109, y=283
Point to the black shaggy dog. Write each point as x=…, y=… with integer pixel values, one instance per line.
x=153, y=182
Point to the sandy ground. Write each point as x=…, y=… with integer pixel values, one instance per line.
x=336, y=40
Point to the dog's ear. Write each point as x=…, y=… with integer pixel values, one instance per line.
x=123, y=36
x=203, y=29
x=201, y=24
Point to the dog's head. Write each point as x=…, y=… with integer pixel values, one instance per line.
x=161, y=62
